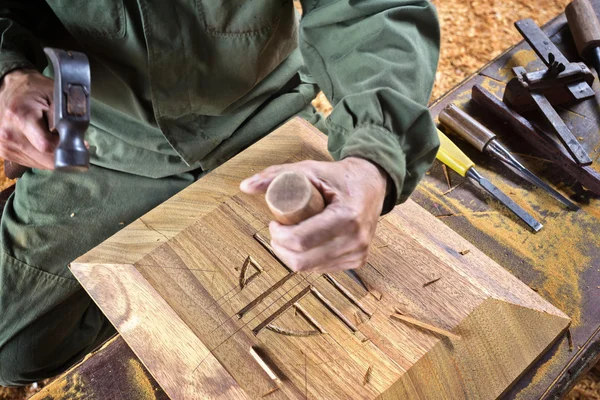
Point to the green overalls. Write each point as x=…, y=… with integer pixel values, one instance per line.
x=178, y=87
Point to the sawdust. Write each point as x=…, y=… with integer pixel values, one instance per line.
x=21, y=393
x=554, y=252
x=141, y=383
x=588, y=388
x=552, y=365
x=477, y=31
x=70, y=387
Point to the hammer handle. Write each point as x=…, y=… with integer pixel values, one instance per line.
x=292, y=198
x=13, y=170
x=466, y=127
x=584, y=25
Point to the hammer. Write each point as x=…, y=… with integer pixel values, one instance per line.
x=71, y=106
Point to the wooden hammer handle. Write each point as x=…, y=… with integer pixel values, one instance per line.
x=584, y=25
x=292, y=198
x=13, y=170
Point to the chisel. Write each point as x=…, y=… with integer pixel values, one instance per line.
x=485, y=141
x=292, y=199
x=453, y=157
x=585, y=29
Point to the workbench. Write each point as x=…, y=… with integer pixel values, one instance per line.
x=561, y=262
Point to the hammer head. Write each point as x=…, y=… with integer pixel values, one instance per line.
x=71, y=108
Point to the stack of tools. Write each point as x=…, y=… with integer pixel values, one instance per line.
x=534, y=94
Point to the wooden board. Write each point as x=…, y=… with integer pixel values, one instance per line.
x=174, y=285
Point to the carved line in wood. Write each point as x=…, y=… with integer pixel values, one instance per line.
x=268, y=322
x=244, y=279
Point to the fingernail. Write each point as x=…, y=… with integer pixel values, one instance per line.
x=246, y=183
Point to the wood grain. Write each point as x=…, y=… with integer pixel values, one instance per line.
x=170, y=283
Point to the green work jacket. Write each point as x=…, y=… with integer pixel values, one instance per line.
x=179, y=85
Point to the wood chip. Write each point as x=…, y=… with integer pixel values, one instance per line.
x=368, y=375
x=570, y=339
x=431, y=282
x=425, y=326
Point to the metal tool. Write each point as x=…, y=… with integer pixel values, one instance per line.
x=546, y=145
x=561, y=83
x=292, y=198
x=585, y=28
x=485, y=141
x=453, y=157
x=71, y=107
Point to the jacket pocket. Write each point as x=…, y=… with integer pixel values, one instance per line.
x=97, y=18
x=239, y=17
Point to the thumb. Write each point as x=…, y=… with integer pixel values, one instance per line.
x=258, y=183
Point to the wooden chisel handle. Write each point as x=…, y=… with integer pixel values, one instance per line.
x=584, y=25
x=466, y=127
x=292, y=198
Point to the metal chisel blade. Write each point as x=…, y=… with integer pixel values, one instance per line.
x=504, y=199
x=356, y=278
x=538, y=182
x=561, y=130
x=499, y=151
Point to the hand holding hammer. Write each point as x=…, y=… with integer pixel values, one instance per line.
x=33, y=109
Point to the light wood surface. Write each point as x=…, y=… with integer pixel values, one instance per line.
x=193, y=291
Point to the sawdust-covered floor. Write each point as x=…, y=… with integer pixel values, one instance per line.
x=473, y=33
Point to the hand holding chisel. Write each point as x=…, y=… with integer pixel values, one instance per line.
x=292, y=199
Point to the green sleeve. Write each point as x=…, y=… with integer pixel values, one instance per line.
x=376, y=61
x=19, y=22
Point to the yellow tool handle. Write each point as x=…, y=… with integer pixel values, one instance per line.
x=452, y=156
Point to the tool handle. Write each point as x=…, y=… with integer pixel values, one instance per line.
x=466, y=127
x=292, y=198
x=546, y=146
x=584, y=25
x=452, y=156
x=13, y=170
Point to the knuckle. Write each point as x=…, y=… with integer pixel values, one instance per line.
x=298, y=243
x=12, y=110
x=44, y=146
x=5, y=135
x=363, y=241
x=352, y=220
x=296, y=264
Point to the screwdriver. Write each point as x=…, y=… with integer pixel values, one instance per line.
x=485, y=141
x=453, y=157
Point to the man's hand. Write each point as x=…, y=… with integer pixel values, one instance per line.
x=25, y=97
x=339, y=237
